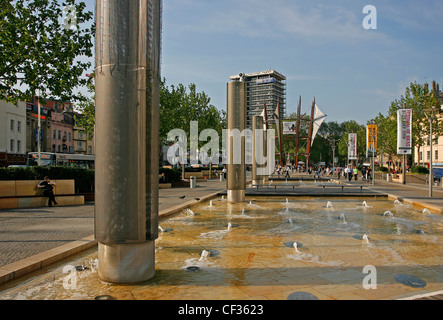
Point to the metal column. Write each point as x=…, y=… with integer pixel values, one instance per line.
x=236, y=182
x=258, y=148
x=127, y=79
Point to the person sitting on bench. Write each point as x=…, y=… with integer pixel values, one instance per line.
x=47, y=186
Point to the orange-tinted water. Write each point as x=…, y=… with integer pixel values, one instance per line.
x=251, y=253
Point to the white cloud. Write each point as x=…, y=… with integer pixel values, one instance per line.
x=283, y=18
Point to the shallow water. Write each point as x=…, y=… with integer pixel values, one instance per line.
x=250, y=259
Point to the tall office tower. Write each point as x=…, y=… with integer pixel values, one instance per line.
x=266, y=87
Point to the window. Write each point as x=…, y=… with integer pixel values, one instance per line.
x=11, y=146
x=69, y=135
x=19, y=126
x=55, y=134
x=421, y=155
x=19, y=146
x=12, y=125
x=429, y=155
x=436, y=154
x=59, y=134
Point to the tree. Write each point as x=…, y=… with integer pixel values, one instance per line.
x=418, y=98
x=40, y=50
x=179, y=105
x=353, y=127
x=86, y=108
x=387, y=135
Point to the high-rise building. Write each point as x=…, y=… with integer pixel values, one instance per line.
x=266, y=87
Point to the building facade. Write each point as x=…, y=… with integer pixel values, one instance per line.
x=266, y=87
x=12, y=133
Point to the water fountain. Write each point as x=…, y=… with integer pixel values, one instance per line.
x=388, y=213
x=365, y=238
x=204, y=255
x=252, y=253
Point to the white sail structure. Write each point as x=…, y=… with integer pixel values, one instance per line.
x=319, y=118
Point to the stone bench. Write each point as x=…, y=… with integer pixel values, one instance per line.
x=198, y=175
x=324, y=186
x=275, y=186
x=25, y=194
x=164, y=185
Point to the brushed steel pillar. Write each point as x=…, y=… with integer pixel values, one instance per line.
x=258, y=150
x=236, y=175
x=127, y=78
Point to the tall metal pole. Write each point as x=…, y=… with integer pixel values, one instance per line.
x=297, y=138
x=404, y=169
x=127, y=146
x=278, y=124
x=236, y=182
x=257, y=149
x=39, y=130
x=311, y=128
x=431, y=175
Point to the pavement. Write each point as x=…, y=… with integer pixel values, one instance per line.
x=31, y=239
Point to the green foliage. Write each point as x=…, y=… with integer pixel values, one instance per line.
x=84, y=179
x=39, y=52
x=86, y=108
x=172, y=175
x=383, y=169
x=418, y=97
x=420, y=170
x=179, y=105
x=353, y=127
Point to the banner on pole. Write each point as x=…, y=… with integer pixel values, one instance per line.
x=371, y=140
x=289, y=127
x=352, y=146
x=404, y=129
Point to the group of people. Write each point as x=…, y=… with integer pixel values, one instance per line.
x=352, y=172
x=349, y=172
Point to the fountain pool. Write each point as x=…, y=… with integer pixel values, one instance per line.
x=243, y=251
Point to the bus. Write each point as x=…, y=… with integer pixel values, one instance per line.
x=61, y=159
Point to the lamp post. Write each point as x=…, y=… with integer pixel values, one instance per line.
x=431, y=118
x=333, y=153
x=39, y=128
x=373, y=137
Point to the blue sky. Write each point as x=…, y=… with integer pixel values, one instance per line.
x=321, y=46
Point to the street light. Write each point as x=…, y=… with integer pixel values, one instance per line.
x=333, y=153
x=431, y=118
